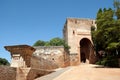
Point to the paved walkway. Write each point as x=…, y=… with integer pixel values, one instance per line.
x=87, y=72
x=54, y=74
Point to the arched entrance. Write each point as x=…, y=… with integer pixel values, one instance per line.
x=86, y=49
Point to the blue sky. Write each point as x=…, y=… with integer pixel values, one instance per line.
x=26, y=21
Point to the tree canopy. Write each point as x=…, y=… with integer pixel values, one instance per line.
x=39, y=43
x=107, y=36
x=3, y=61
x=53, y=42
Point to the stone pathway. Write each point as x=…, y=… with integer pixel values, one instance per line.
x=54, y=74
x=85, y=72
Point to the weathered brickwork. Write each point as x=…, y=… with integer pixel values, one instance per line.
x=49, y=57
x=77, y=34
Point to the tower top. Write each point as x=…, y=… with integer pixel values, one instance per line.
x=73, y=18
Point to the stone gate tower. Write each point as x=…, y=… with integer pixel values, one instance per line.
x=77, y=34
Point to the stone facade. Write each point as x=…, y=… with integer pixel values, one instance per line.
x=30, y=60
x=49, y=57
x=77, y=34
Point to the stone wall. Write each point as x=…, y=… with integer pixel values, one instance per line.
x=41, y=63
x=74, y=59
x=7, y=73
x=49, y=57
x=75, y=30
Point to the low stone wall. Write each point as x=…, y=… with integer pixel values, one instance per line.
x=7, y=73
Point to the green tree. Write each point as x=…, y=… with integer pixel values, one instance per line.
x=3, y=61
x=56, y=42
x=53, y=42
x=107, y=37
x=104, y=23
x=117, y=8
x=59, y=42
x=99, y=14
x=47, y=43
x=39, y=43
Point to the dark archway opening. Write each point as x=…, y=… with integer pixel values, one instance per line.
x=85, y=50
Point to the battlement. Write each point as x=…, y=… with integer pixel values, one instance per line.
x=76, y=21
x=73, y=18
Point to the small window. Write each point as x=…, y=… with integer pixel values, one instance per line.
x=16, y=58
x=73, y=32
x=52, y=58
x=75, y=21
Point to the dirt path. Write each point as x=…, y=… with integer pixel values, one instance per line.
x=85, y=72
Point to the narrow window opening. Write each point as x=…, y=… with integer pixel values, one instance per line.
x=53, y=59
x=73, y=32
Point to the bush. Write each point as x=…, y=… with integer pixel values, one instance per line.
x=109, y=61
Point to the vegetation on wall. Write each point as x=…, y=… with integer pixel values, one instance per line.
x=107, y=36
x=53, y=42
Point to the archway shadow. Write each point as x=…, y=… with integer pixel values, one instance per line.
x=86, y=50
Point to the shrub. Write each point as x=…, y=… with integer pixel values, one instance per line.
x=109, y=61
